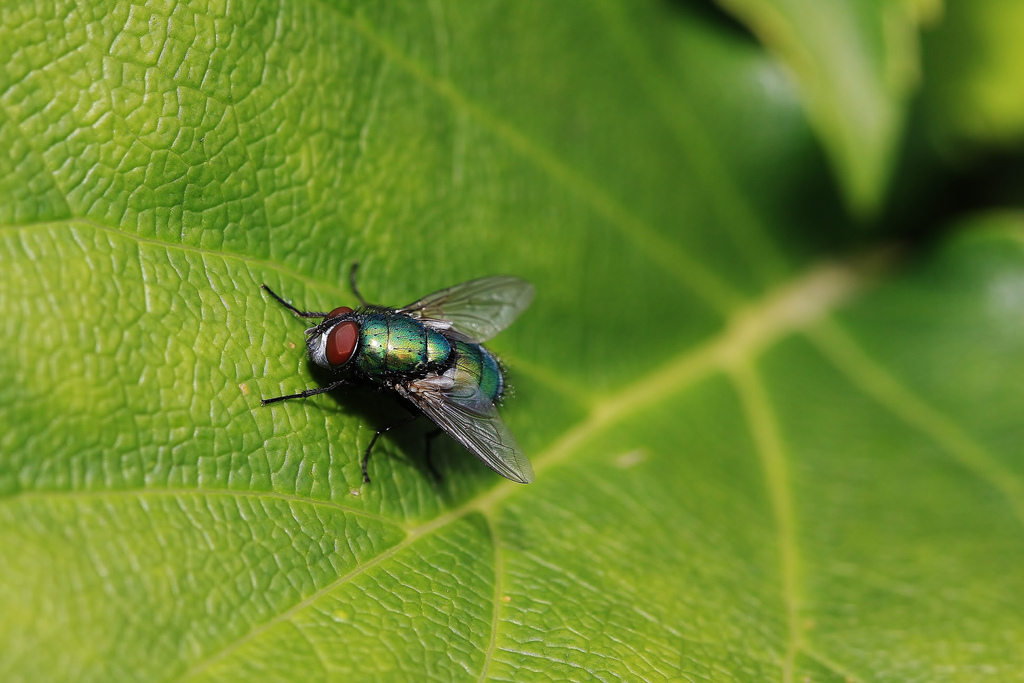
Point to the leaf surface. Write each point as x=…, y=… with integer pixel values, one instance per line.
x=857, y=67
x=749, y=465
x=977, y=51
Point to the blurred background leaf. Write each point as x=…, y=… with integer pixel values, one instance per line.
x=857, y=65
x=766, y=446
x=976, y=92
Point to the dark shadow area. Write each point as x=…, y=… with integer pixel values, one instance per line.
x=711, y=11
x=378, y=408
x=933, y=190
x=804, y=212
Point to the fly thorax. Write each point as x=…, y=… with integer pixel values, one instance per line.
x=396, y=344
x=407, y=345
x=373, y=340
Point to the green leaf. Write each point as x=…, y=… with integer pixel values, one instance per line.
x=749, y=465
x=857, y=66
x=976, y=55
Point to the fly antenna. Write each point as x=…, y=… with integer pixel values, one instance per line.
x=301, y=314
x=352, y=283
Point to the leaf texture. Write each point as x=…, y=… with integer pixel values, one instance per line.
x=750, y=465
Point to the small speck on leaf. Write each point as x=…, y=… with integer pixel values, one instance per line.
x=627, y=460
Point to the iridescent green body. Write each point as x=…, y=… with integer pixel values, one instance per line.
x=431, y=354
x=395, y=344
x=476, y=367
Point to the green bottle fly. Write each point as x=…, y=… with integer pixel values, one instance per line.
x=430, y=353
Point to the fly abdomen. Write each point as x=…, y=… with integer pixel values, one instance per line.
x=478, y=368
x=397, y=344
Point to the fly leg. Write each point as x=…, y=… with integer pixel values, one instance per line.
x=303, y=394
x=428, y=442
x=301, y=314
x=352, y=283
x=366, y=456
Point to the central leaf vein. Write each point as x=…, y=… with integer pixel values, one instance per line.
x=791, y=307
x=765, y=430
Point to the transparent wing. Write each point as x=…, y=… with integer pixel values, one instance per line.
x=473, y=421
x=478, y=309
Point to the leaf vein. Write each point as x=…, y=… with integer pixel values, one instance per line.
x=42, y=157
x=48, y=495
x=226, y=650
x=785, y=309
x=70, y=223
x=312, y=646
x=830, y=664
x=498, y=569
x=747, y=231
x=877, y=383
x=768, y=442
x=667, y=254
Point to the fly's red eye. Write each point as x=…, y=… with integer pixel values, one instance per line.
x=338, y=312
x=342, y=340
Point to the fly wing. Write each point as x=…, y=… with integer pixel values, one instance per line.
x=473, y=421
x=477, y=309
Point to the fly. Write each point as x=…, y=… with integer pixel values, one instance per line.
x=430, y=353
